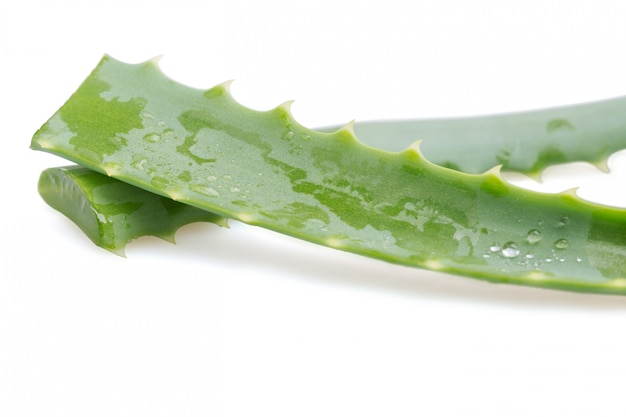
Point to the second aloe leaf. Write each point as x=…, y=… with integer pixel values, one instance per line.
x=110, y=212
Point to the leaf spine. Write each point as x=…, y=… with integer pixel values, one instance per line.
x=496, y=171
x=602, y=165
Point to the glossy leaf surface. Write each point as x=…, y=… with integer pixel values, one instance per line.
x=263, y=168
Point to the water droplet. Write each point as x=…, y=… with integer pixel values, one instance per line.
x=579, y=259
x=563, y=221
x=561, y=244
x=227, y=177
x=533, y=236
x=234, y=190
x=290, y=134
x=540, y=223
x=510, y=250
x=529, y=255
x=495, y=247
x=152, y=137
x=486, y=256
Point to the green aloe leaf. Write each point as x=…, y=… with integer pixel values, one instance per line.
x=263, y=168
x=112, y=213
x=525, y=142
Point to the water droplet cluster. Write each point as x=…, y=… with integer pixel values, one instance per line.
x=525, y=251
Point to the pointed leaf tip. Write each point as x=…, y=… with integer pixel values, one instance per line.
x=286, y=106
x=413, y=153
x=602, y=165
x=219, y=90
x=416, y=146
x=495, y=171
x=536, y=176
x=226, y=84
x=346, y=133
x=121, y=251
x=347, y=128
x=155, y=60
x=283, y=111
x=571, y=192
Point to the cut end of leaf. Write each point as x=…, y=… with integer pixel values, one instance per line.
x=120, y=213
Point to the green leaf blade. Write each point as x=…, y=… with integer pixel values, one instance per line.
x=112, y=213
x=525, y=142
x=263, y=168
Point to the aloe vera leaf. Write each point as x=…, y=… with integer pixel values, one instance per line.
x=112, y=213
x=263, y=168
x=525, y=142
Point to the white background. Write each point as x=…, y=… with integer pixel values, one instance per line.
x=244, y=322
